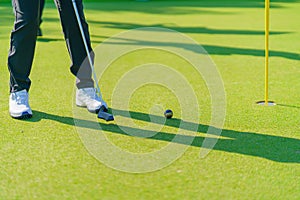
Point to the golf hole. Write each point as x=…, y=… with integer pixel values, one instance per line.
x=263, y=103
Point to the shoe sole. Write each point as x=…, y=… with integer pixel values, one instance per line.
x=91, y=111
x=24, y=115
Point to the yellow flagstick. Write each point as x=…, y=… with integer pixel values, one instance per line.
x=266, y=102
x=267, y=26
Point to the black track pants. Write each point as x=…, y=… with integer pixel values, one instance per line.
x=23, y=41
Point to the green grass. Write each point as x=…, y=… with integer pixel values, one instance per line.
x=256, y=157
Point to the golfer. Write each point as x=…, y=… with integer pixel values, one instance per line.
x=21, y=53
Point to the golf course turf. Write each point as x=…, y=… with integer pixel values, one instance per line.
x=257, y=155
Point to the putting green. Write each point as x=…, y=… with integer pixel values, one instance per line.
x=257, y=155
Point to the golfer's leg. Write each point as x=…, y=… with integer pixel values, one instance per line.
x=22, y=45
x=80, y=66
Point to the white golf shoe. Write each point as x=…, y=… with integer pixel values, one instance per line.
x=87, y=97
x=18, y=105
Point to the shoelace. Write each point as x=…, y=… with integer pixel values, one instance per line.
x=22, y=99
x=90, y=96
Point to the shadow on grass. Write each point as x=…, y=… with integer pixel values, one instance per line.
x=168, y=7
x=288, y=106
x=211, y=49
x=275, y=148
x=46, y=39
x=192, y=29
